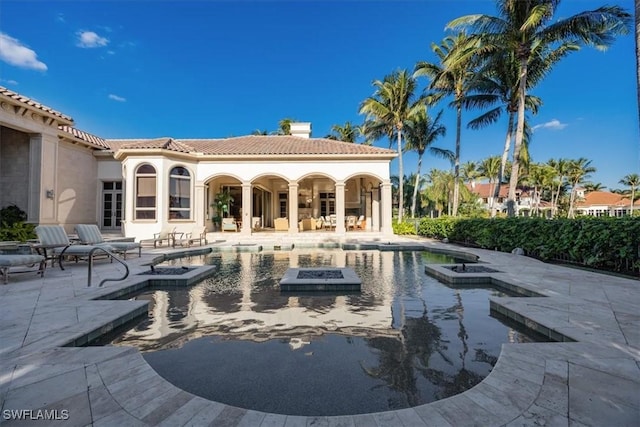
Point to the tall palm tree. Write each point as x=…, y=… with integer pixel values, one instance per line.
x=393, y=102
x=439, y=190
x=490, y=169
x=528, y=29
x=421, y=131
x=632, y=180
x=594, y=186
x=469, y=171
x=347, y=132
x=453, y=76
x=578, y=171
x=561, y=169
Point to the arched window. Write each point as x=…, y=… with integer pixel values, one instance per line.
x=145, y=207
x=179, y=193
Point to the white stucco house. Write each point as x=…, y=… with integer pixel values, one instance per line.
x=59, y=174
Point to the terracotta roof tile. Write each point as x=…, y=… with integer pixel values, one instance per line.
x=484, y=189
x=254, y=145
x=85, y=136
x=603, y=198
x=30, y=102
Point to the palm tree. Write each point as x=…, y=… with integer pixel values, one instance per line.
x=284, y=126
x=469, y=171
x=594, y=186
x=578, y=171
x=347, y=132
x=528, y=29
x=453, y=76
x=561, y=169
x=387, y=111
x=422, y=131
x=632, y=180
x=440, y=189
x=490, y=169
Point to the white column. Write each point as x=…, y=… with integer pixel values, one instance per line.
x=36, y=193
x=375, y=209
x=340, y=228
x=199, y=205
x=246, y=208
x=386, y=208
x=293, y=208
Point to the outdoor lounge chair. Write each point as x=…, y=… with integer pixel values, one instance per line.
x=166, y=234
x=18, y=260
x=198, y=234
x=55, y=245
x=89, y=234
x=229, y=224
x=361, y=223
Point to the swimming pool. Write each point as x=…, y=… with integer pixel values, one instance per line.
x=404, y=340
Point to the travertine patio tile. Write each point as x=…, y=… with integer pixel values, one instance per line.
x=48, y=391
x=120, y=418
x=102, y=403
x=230, y=416
x=409, y=417
x=364, y=420
x=554, y=395
x=162, y=407
x=340, y=421
x=462, y=411
x=589, y=408
x=389, y=418
x=604, y=386
x=537, y=416
x=295, y=421
x=205, y=416
x=185, y=412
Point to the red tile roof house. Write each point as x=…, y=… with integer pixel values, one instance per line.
x=525, y=202
x=604, y=203
x=142, y=186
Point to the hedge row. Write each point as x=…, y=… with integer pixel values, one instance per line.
x=605, y=243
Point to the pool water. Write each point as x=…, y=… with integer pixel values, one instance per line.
x=404, y=340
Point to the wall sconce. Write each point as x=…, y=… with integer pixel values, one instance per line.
x=50, y=194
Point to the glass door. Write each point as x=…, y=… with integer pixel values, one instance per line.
x=111, y=205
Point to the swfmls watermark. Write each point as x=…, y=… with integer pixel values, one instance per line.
x=36, y=414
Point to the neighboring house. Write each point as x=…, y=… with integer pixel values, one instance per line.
x=61, y=175
x=604, y=203
x=526, y=200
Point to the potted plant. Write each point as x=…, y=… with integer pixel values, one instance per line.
x=221, y=203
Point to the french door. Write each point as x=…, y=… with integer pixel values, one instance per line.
x=111, y=205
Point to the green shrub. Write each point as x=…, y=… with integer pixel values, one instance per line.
x=12, y=225
x=403, y=228
x=606, y=243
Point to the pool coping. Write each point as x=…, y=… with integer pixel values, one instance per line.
x=530, y=382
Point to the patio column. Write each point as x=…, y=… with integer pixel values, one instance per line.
x=199, y=205
x=246, y=208
x=340, y=228
x=375, y=209
x=386, y=227
x=293, y=208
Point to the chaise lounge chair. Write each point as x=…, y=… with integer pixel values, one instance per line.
x=197, y=235
x=229, y=224
x=18, y=260
x=55, y=245
x=89, y=234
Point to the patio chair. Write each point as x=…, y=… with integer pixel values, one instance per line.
x=229, y=224
x=198, y=234
x=281, y=224
x=19, y=260
x=361, y=223
x=89, y=234
x=166, y=234
x=351, y=222
x=55, y=245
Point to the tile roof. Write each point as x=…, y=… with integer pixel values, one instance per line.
x=254, y=145
x=4, y=92
x=84, y=136
x=604, y=198
x=484, y=189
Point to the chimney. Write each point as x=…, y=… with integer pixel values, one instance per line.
x=301, y=129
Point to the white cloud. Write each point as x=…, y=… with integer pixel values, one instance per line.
x=15, y=53
x=60, y=18
x=9, y=82
x=553, y=124
x=89, y=39
x=117, y=98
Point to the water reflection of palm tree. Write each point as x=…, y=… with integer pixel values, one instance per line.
x=399, y=358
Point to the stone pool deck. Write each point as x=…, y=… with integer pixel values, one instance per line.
x=594, y=381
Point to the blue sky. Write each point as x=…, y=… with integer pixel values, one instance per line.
x=203, y=69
